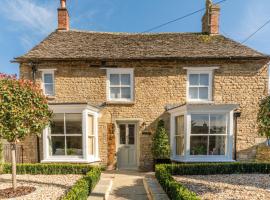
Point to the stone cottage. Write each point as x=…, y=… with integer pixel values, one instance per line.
x=108, y=90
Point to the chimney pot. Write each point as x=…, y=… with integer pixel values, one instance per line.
x=63, y=16
x=210, y=20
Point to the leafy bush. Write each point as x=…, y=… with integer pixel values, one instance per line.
x=84, y=186
x=161, y=146
x=263, y=119
x=174, y=189
x=48, y=169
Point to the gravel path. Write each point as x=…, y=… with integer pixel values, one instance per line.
x=229, y=187
x=47, y=186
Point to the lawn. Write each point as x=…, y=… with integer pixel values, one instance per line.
x=228, y=187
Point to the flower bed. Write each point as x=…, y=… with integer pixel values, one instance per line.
x=176, y=190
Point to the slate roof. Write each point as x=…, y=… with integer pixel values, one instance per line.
x=100, y=45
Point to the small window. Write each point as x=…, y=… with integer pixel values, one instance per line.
x=179, y=135
x=48, y=83
x=120, y=84
x=199, y=84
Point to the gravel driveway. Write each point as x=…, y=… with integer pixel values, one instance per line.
x=47, y=186
x=229, y=187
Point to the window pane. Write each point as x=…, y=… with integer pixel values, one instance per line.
x=115, y=92
x=125, y=93
x=203, y=93
x=57, y=126
x=218, y=124
x=74, y=145
x=217, y=145
x=194, y=79
x=48, y=78
x=193, y=93
x=179, y=146
x=91, y=145
x=125, y=79
x=204, y=79
x=179, y=125
x=131, y=134
x=122, y=128
x=199, y=124
x=115, y=79
x=198, y=145
x=57, y=145
x=49, y=89
x=74, y=123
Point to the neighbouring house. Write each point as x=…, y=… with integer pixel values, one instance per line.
x=108, y=91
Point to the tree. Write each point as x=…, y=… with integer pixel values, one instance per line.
x=263, y=119
x=161, y=146
x=23, y=111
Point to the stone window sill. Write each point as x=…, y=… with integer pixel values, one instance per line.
x=120, y=102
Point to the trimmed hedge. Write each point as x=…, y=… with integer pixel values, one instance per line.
x=177, y=191
x=83, y=187
x=39, y=168
x=218, y=168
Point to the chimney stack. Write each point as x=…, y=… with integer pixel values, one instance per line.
x=63, y=16
x=210, y=20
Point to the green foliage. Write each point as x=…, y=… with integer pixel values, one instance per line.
x=161, y=146
x=263, y=118
x=174, y=189
x=84, y=186
x=48, y=169
x=23, y=109
x=218, y=168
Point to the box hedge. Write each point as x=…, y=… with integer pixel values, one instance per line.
x=47, y=169
x=83, y=187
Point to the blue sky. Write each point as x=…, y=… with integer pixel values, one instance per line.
x=24, y=23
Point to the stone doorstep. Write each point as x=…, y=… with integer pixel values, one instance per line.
x=102, y=189
x=153, y=189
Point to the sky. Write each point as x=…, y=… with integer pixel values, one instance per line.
x=25, y=23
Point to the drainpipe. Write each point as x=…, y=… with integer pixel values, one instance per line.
x=236, y=115
x=34, y=70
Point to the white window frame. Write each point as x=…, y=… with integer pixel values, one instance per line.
x=200, y=70
x=85, y=110
x=48, y=71
x=187, y=111
x=120, y=71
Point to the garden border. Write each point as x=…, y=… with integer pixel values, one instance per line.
x=80, y=190
x=177, y=191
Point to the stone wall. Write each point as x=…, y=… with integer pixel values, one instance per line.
x=158, y=83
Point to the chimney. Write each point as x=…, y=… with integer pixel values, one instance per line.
x=63, y=16
x=210, y=20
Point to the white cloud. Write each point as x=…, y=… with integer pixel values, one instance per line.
x=30, y=14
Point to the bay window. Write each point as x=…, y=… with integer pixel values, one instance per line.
x=202, y=133
x=72, y=134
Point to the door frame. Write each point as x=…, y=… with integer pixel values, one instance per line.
x=136, y=135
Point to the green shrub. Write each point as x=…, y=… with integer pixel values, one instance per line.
x=84, y=186
x=39, y=168
x=174, y=189
x=218, y=168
